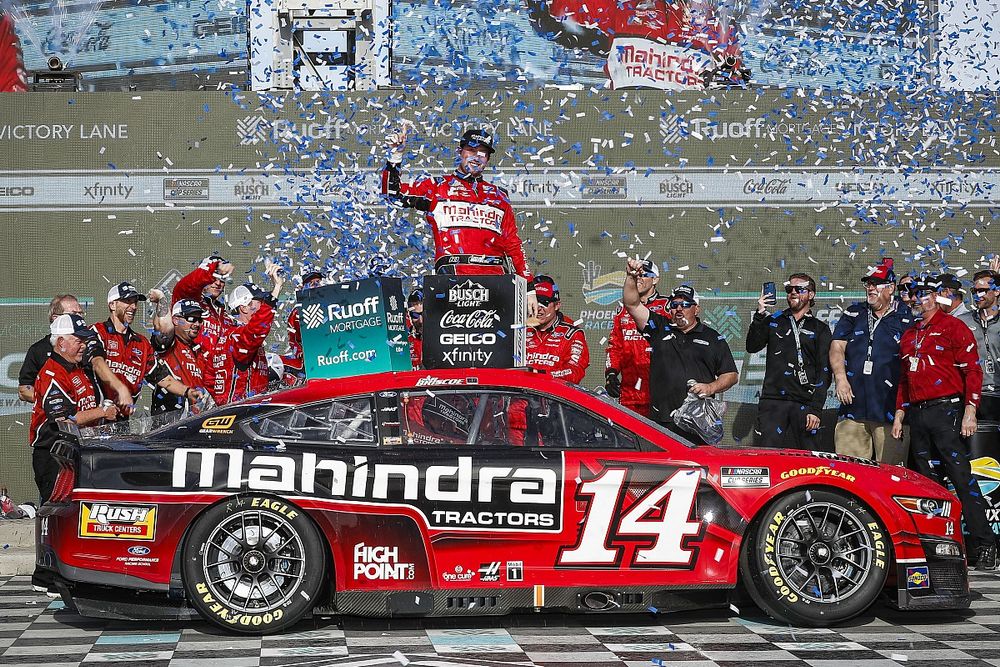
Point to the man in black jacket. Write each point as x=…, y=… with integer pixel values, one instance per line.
x=797, y=371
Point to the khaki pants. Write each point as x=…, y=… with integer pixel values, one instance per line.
x=868, y=440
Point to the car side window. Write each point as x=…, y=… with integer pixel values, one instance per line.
x=338, y=421
x=587, y=431
x=437, y=417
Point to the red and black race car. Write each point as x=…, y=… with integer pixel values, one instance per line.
x=432, y=493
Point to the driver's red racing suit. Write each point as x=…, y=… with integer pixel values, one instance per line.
x=238, y=361
x=663, y=44
x=628, y=354
x=474, y=228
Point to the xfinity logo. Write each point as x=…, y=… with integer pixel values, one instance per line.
x=101, y=191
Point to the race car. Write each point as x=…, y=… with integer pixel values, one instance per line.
x=464, y=492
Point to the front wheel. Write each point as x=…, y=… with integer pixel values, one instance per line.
x=253, y=564
x=815, y=558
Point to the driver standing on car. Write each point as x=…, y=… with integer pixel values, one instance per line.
x=939, y=386
x=683, y=349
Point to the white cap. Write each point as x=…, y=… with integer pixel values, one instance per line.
x=241, y=296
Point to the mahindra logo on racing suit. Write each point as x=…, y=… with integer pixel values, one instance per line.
x=461, y=494
x=452, y=214
x=477, y=319
x=764, y=186
x=468, y=294
x=380, y=564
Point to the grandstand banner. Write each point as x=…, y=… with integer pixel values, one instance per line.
x=722, y=191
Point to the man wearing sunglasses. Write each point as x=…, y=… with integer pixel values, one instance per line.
x=415, y=317
x=627, y=369
x=797, y=369
x=182, y=354
x=939, y=386
x=293, y=362
x=905, y=295
x=205, y=284
x=864, y=357
x=683, y=349
x=555, y=345
x=985, y=325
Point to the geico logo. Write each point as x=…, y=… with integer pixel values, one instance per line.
x=17, y=191
x=335, y=311
x=102, y=513
x=356, y=478
x=468, y=338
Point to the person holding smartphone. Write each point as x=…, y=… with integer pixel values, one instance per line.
x=797, y=369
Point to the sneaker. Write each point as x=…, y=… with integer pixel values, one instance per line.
x=53, y=593
x=38, y=588
x=986, y=558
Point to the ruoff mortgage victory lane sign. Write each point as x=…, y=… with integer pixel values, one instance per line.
x=354, y=328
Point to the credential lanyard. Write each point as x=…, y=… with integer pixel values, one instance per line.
x=803, y=378
x=873, y=323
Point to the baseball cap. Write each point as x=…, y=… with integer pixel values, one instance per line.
x=477, y=139
x=123, y=292
x=950, y=281
x=244, y=294
x=881, y=273
x=685, y=292
x=312, y=274
x=73, y=325
x=186, y=307
x=649, y=268
x=416, y=296
x=546, y=288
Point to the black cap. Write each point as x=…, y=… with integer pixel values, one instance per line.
x=416, y=296
x=124, y=291
x=545, y=288
x=949, y=281
x=312, y=274
x=685, y=292
x=477, y=139
x=187, y=307
x=649, y=268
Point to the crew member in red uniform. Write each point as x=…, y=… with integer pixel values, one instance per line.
x=293, y=359
x=62, y=391
x=661, y=44
x=939, y=390
x=555, y=345
x=205, y=285
x=182, y=354
x=627, y=371
x=128, y=353
x=415, y=316
x=239, y=362
x=474, y=227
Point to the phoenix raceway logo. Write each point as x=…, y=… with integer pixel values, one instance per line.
x=461, y=494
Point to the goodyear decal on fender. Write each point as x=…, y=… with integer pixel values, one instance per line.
x=222, y=424
x=822, y=471
x=114, y=521
x=918, y=577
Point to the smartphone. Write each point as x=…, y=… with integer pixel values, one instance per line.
x=770, y=293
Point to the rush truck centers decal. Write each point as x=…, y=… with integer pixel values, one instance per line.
x=125, y=522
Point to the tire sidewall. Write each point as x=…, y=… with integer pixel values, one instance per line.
x=773, y=594
x=217, y=611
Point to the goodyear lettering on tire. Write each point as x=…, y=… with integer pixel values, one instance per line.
x=232, y=617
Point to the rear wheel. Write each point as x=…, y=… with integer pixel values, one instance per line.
x=815, y=558
x=253, y=564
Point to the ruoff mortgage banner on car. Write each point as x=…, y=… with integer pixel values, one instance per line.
x=354, y=328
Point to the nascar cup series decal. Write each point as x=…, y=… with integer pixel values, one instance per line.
x=114, y=521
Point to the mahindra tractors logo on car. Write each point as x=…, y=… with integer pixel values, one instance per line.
x=460, y=493
x=380, y=564
x=126, y=522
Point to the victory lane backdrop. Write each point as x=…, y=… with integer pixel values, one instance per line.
x=723, y=193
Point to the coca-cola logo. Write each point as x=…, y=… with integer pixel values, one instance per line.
x=763, y=186
x=476, y=319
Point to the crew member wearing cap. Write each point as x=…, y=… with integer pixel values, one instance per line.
x=182, y=355
x=555, y=345
x=951, y=295
x=293, y=359
x=683, y=349
x=415, y=327
x=239, y=361
x=985, y=325
x=129, y=354
x=904, y=295
x=475, y=231
x=93, y=360
x=62, y=391
x=938, y=394
x=864, y=358
x=627, y=368
x=797, y=368
x=205, y=285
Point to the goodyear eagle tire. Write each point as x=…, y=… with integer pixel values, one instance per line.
x=815, y=558
x=253, y=564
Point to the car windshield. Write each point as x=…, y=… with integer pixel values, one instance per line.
x=607, y=400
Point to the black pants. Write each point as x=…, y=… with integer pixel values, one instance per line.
x=940, y=450
x=783, y=424
x=46, y=471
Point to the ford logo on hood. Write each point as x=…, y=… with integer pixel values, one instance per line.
x=138, y=551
